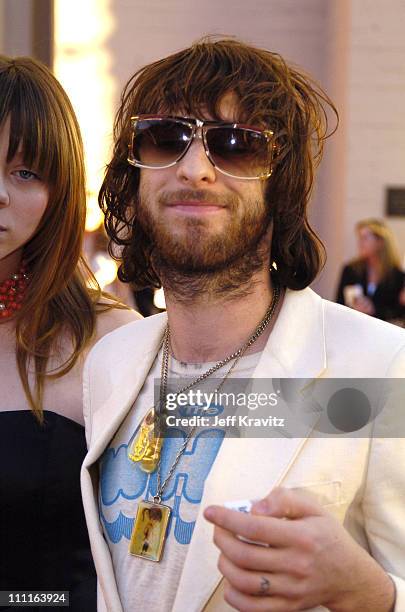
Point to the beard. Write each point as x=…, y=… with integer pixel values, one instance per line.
x=198, y=259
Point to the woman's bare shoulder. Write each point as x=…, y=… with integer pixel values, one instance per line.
x=109, y=319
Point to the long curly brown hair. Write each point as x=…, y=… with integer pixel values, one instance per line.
x=271, y=93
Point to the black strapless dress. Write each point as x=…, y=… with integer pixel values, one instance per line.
x=43, y=537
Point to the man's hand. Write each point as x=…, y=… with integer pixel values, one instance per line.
x=309, y=559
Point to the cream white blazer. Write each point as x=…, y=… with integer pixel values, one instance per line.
x=361, y=482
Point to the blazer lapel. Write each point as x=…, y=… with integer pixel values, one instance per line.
x=128, y=355
x=132, y=355
x=249, y=468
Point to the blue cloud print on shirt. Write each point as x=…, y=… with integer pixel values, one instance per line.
x=121, y=477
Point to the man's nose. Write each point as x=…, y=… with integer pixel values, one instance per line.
x=195, y=167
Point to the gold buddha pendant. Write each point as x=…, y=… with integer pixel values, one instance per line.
x=145, y=448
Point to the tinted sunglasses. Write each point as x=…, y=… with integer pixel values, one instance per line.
x=237, y=150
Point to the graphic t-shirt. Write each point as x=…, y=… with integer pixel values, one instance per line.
x=144, y=584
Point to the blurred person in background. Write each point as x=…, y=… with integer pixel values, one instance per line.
x=51, y=313
x=373, y=282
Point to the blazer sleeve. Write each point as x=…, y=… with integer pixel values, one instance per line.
x=384, y=511
x=384, y=499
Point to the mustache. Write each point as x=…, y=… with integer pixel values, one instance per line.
x=197, y=195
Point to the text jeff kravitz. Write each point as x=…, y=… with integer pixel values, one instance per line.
x=228, y=421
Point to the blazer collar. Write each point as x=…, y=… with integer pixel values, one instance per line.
x=297, y=342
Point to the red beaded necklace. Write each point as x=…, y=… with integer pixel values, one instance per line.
x=12, y=291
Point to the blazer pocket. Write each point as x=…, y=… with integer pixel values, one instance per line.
x=327, y=493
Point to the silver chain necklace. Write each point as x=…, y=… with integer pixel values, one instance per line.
x=236, y=356
x=152, y=518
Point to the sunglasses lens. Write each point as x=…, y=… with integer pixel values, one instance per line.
x=159, y=142
x=241, y=152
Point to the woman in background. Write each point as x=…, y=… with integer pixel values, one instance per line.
x=51, y=313
x=373, y=282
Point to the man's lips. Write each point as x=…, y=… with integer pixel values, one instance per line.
x=195, y=206
x=2, y=228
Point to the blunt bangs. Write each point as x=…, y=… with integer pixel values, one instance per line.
x=28, y=99
x=44, y=126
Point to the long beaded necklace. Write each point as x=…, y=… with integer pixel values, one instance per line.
x=152, y=518
x=12, y=292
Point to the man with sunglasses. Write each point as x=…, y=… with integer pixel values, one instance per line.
x=207, y=194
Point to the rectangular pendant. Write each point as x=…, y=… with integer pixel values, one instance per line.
x=149, y=532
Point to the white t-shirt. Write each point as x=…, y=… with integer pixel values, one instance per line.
x=144, y=584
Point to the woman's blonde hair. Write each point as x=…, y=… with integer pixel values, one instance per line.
x=389, y=254
x=58, y=298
